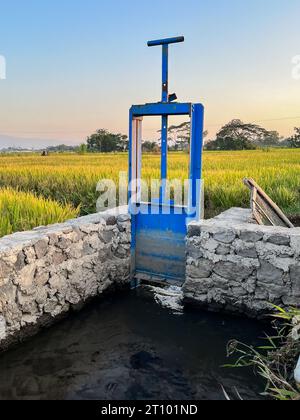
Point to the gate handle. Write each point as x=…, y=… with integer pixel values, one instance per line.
x=166, y=41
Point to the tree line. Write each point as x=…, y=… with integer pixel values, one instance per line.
x=236, y=135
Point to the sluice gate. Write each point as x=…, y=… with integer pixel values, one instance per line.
x=159, y=227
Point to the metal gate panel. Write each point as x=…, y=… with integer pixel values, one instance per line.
x=160, y=243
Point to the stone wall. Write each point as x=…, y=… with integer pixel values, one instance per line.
x=232, y=265
x=237, y=266
x=46, y=272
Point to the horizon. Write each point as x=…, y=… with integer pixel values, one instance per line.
x=76, y=66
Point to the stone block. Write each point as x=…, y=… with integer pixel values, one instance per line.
x=232, y=271
x=199, y=286
x=41, y=248
x=106, y=236
x=4, y=271
x=201, y=270
x=279, y=239
x=251, y=236
x=123, y=218
x=220, y=282
x=225, y=236
x=223, y=250
x=194, y=230
x=269, y=274
x=211, y=245
x=26, y=277
x=295, y=278
x=30, y=255
x=247, y=252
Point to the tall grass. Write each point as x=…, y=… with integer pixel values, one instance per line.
x=72, y=178
x=21, y=211
x=275, y=362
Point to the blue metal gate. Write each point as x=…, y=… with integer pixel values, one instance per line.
x=159, y=227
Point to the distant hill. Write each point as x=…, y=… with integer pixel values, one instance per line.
x=30, y=143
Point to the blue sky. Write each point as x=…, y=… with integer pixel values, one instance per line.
x=77, y=65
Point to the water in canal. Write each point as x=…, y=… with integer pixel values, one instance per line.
x=131, y=347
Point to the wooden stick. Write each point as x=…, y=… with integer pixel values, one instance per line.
x=258, y=191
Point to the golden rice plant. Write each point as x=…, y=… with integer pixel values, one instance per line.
x=20, y=211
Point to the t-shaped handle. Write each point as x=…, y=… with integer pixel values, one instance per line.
x=166, y=41
x=165, y=64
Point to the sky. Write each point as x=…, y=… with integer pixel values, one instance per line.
x=74, y=66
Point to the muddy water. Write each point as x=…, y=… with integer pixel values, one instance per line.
x=131, y=347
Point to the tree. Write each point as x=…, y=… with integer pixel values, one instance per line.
x=237, y=130
x=229, y=143
x=105, y=142
x=271, y=139
x=180, y=136
x=82, y=149
x=294, y=141
x=61, y=148
x=122, y=143
x=237, y=135
x=150, y=146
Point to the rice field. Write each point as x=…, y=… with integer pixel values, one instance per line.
x=20, y=211
x=70, y=180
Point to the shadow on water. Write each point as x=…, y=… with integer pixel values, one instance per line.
x=131, y=348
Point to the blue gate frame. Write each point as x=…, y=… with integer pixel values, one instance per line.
x=159, y=227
